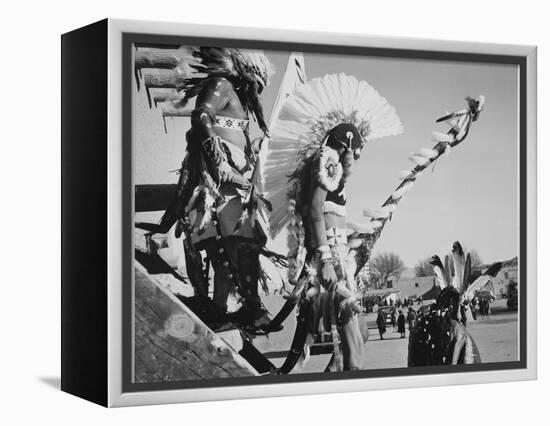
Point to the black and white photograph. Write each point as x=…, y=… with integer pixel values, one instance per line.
x=298, y=213
x=275, y=213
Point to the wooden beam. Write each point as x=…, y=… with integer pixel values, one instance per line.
x=150, y=46
x=159, y=78
x=166, y=95
x=175, y=109
x=163, y=59
x=172, y=344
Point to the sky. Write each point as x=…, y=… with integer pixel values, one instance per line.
x=471, y=196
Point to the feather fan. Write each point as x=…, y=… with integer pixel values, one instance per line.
x=303, y=121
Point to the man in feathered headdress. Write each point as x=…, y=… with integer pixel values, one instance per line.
x=215, y=204
x=323, y=212
x=322, y=129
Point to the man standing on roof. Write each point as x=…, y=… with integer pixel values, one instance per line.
x=216, y=202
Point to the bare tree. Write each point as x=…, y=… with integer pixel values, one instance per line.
x=423, y=268
x=384, y=266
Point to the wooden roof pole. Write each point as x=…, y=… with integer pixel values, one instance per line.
x=156, y=59
x=161, y=95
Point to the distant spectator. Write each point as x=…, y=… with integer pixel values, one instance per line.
x=486, y=307
x=411, y=318
x=393, y=319
x=401, y=324
x=463, y=313
x=381, y=323
x=473, y=309
x=481, y=308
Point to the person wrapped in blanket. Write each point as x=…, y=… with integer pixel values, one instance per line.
x=440, y=336
x=215, y=203
x=332, y=289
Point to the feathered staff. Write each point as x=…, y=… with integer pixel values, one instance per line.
x=365, y=235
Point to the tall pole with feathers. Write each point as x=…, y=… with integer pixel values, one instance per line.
x=364, y=236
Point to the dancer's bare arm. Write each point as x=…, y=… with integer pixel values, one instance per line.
x=210, y=101
x=319, y=236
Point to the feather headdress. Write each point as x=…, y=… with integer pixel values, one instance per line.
x=457, y=272
x=235, y=64
x=308, y=114
x=248, y=70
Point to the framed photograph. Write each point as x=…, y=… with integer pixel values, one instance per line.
x=266, y=213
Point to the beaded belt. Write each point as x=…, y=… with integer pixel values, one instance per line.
x=231, y=123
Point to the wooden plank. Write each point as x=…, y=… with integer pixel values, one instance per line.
x=159, y=78
x=173, y=344
x=166, y=95
x=163, y=59
x=156, y=46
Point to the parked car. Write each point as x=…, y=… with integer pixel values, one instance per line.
x=387, y=312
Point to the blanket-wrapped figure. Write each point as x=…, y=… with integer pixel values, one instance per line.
x=440, y=336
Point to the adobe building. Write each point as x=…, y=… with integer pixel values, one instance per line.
x=507, y=275
x=412, y=288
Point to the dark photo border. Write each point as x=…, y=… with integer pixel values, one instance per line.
x=129, y=40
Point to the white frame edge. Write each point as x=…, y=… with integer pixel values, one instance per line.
x=114, y=217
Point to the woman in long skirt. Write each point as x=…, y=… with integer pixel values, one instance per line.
x=381, y=323
x=401, y=324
